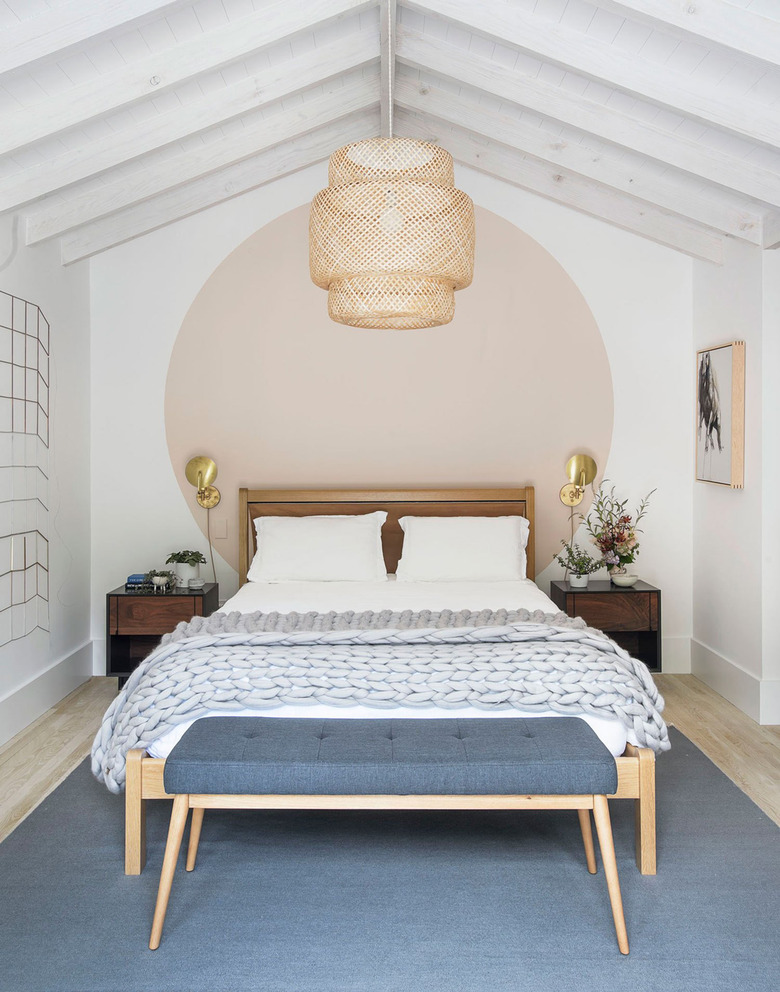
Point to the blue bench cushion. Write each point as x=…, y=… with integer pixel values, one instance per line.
x=291, y=756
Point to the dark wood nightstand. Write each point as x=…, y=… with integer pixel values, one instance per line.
x=135, y=622
x=632, y=616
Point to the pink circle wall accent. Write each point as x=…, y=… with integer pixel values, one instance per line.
x=262, y=381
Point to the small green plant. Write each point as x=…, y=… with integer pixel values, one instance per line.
x=577, y=561
x=157, y=573
x=185, y=558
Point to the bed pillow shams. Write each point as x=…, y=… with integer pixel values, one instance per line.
x=489, y=549
x=319, y=549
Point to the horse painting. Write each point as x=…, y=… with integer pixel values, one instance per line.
x=709, y=404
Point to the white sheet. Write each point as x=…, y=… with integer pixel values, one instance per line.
x=322, y=597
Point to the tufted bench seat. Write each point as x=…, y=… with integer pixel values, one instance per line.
x=495, y=763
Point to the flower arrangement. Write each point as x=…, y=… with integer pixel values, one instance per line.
x=613, y=530
x=576, y=560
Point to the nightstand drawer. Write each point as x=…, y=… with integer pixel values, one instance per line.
x=610, y=612
x=150, y=615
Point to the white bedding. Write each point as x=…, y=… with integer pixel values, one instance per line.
x=323, y=597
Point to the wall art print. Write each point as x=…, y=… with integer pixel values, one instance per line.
x=720, y=415
x=24, y=468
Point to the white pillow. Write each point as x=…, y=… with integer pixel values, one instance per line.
x=319, y=549
x=489, y=549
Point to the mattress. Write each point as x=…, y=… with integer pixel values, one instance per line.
x=339, y=597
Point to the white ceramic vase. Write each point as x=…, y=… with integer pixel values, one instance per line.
x=578, y=581
x=184, y=573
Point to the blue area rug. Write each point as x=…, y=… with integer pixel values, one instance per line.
x=396, y=902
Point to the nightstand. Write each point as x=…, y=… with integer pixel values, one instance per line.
x=632, y=616
x=135, y=622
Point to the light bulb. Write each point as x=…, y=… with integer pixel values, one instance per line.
x=391, y=220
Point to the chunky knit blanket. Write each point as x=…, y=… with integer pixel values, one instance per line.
x=507, y=659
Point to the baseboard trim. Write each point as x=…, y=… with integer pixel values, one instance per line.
x=732, y=682
x=770, y=703
x=24, y=705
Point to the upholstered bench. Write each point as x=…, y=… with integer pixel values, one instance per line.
x=283, y=763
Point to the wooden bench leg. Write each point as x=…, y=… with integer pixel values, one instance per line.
x=135, y=816
x=195, y=827
x=587, y=839
x=604, y=830
x=175, y=834
x=644, y=813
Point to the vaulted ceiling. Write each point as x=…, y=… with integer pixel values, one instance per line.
x=659, y=116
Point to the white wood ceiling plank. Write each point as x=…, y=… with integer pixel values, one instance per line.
x=647, y=138
x=667, y=194
x=53, y=30
x=605, y=26
x=749, y=32
x=201, y=194
x=210, y=14
x=554, y=43
x=576, y=16
x=157, y=35
x=569, y=190
x=184, y=25
x=153, y=73
x=177, y=169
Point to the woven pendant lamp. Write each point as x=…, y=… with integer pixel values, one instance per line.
x=391, y=238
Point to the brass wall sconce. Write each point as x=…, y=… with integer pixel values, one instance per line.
x=581, y=470
x=201, y=472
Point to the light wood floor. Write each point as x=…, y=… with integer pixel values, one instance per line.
x=39, y=758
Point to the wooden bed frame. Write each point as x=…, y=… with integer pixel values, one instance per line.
x=636, y=767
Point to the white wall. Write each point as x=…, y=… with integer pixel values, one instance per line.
x=770, y=344
x=734, y=647
x=640, y=294
x=37, y=671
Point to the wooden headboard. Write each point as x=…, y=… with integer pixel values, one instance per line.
x=398, y=503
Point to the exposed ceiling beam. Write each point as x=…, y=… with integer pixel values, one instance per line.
x=737, y=28
x=157, y=72
x=387, y=33
x=338, y=101
x=578, y=111
x=666, y=193
x=114, y=149
x=51, y=32
x=169, y=207
x=580, y=53
x=570, y=190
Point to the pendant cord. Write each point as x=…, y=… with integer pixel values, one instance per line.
x=387, y=67
x=211, y=547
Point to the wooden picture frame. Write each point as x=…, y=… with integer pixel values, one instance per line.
x=720, y=415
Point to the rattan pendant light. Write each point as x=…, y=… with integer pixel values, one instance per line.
x=391, y=238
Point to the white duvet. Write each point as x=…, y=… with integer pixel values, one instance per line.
x=324, y=597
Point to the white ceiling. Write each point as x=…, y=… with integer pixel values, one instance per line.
x=659, y=116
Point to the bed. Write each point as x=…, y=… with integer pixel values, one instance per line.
x=144, y=766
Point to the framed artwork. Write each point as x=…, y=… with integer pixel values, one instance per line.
x=720, y=415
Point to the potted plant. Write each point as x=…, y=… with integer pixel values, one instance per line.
x=187, y=565
x=578, y=563
x=614, y=532
x=160, y=580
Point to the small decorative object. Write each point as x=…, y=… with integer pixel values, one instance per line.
x=720, y=415
x=160, y=581
x=391, y=238
x=624, y=580
x=197, y=583
x=578, y=563
x=614, y=532
x=187, y=565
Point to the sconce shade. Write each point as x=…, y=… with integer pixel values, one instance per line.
x=201, y=471
x=391, y=239
x=581, y=470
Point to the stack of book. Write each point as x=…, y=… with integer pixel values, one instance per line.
x=137, y=583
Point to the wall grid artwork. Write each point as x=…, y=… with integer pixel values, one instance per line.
x=720, y=415
x=24, y=468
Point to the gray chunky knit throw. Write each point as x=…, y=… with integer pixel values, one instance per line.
x=508, y=659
